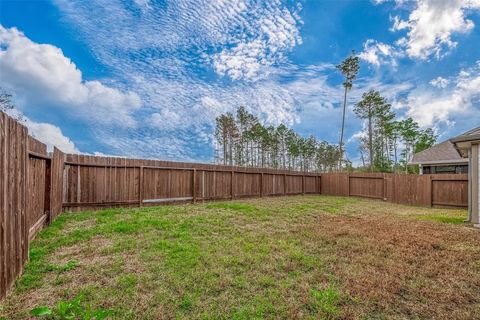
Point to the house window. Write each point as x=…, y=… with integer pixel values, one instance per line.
x=461, y=169
x=445, y=169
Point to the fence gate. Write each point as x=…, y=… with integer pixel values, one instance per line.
x=38, y=192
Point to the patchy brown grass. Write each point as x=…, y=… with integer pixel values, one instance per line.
x=292, y=257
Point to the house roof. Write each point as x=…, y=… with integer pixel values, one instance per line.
x=442, y=153
x=470, y=135
x=464, y=141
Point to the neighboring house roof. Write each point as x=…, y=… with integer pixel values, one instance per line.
x=442, y=153
x=463, y=141
x=470, y=135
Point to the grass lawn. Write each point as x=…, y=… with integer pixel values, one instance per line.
x=305, y=257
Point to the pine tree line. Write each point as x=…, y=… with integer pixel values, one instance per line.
x=387, y=144
x=242, y=140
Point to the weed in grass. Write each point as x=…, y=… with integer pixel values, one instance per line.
x=186, y=304
x=177, y=254
x=73, y=309
x=60, y=280
x=70, y=265
x=127, y=281
x=325, y=302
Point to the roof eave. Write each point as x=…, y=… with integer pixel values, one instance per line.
x=475, y=137
x=440, y=162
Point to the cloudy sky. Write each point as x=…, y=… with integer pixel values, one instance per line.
x=147, y=78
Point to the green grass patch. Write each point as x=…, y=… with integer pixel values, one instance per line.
x=70, y=265
x=325, y=302
x=234, y=206
x=443, y=219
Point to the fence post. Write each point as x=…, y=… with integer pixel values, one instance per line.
x=303, y=184
x=47, y=193
x=348, y=184
x=261, y=184
x=384, y=187
x=319, y=184
x=430, y=191
x=203, y=186
x=57, y=169
x=140, y=187
x=232, y=185
x=194, y=194
x=284, y=184
x=394, y=190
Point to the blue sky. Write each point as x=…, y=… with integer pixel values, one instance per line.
x=147, y=78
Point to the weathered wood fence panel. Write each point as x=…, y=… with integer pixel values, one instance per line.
x=30, y=195
x=420, y=190
x=95, y=182
x=412, y=189
x=311, y=184
x=56, y=185
x=335, y=184
x=13, y=218
x=36, y=194
x=367, y=185
x=247, y=184
x=449, y=190
x=294, y=184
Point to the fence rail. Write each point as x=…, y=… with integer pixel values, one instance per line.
x=35, y=187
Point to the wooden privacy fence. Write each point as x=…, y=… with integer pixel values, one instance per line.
x=446, y=190
x=91, y=182
x=30, y=195
x=36, y=186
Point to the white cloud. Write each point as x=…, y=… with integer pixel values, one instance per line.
x=439, y=82
x=429, y=108
x=275, y=33
x=47, y=133
x=51, y=135
x=431, y=26
x=378, y=53
x=143, y=4
x=166, y=119
x=40, y=75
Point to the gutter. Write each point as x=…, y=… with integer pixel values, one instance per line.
x=440, y=162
